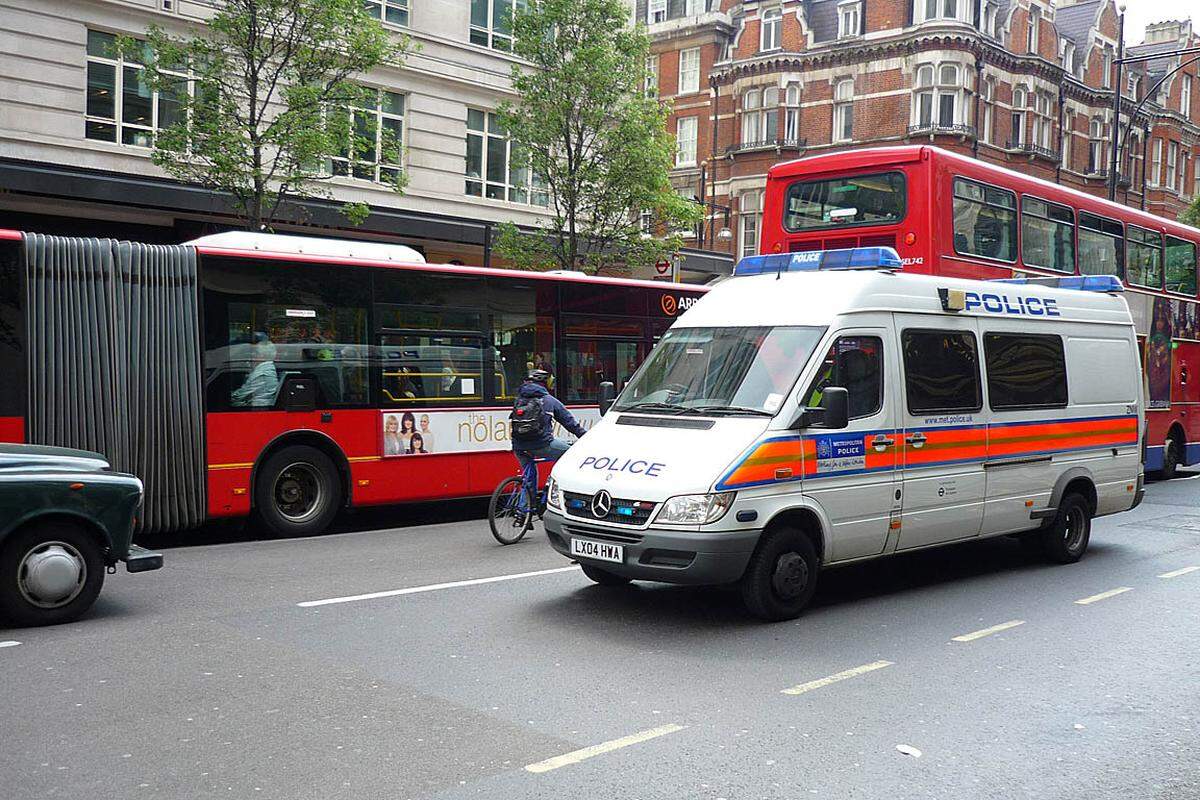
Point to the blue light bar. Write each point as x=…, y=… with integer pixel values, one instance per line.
x=1083, y=283
x=852, y=258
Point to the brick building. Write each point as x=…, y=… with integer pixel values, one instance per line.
x=1024, y=83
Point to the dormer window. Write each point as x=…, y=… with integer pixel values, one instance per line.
x=772, y=29
x=849, y=18
x=656, y=11
x=1035, y=22
x=927, y=10
x=989, y=17
x=1068, y=57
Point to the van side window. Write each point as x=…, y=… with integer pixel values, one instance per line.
x=1025, y=370
x=856, y=364
x=941, y=371
x=985, y=221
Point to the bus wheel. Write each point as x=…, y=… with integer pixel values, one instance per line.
x=1066, y=540
x=50, y=573
x=1170, y=458
x=297, y=491
x=781, y=576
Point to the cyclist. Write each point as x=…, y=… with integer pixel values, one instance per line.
x=534, y=413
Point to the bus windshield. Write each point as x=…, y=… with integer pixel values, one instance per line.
x=730, y=371
x=839, y=202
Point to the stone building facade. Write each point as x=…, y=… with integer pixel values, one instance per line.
x=76, y=125
x=1024, y=83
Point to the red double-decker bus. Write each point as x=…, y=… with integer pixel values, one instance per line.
x=947, y=214
x=293, y=376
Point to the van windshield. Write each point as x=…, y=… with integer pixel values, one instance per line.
x=731, y=371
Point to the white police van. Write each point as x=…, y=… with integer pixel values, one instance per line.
x=819, y=409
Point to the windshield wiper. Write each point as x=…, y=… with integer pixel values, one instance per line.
x=731, y=410
x=653, y=406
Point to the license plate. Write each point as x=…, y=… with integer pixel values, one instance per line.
x=601, y=551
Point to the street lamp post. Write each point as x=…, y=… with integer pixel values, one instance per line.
x=1116, y=109
x=723, y=235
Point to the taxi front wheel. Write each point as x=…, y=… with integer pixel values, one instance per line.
x=50, y=573
x=781, y=576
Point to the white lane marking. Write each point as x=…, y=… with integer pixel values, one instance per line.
x=433, y=587
x=574, y=757
x=1177, y=572
x=840, y=676
x=9, y=643
x=973, y=635
x=1096, y=598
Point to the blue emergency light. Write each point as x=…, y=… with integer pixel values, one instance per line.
x=1083, y=283
x=851, y=258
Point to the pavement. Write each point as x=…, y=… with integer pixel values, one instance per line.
x=256, y=669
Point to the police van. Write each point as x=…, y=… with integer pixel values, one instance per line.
x=820, y=409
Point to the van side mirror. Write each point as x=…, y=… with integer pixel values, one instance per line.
x=607, y=395
x=833, y=413
x=835, y=403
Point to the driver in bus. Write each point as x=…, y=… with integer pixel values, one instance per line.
x=262, y=383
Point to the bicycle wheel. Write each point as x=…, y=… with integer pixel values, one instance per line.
x=508, y=515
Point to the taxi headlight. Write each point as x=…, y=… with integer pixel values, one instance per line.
x=553, y=495
x=696, y=509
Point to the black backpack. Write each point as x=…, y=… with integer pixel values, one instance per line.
x=528, y=418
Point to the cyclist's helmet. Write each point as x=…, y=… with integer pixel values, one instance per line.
x=538, y=376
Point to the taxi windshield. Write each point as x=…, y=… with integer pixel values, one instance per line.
x=720, y=371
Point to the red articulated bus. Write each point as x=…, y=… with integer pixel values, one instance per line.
x=294, y=376
x=948, y=214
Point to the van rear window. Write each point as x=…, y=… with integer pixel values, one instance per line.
x=845, y=202
x=1025, y=370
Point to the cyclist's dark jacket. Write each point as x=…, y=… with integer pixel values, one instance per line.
x=553, y=410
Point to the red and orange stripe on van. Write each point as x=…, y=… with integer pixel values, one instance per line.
x=788, y=458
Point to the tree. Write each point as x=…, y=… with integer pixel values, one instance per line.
x=585, y=129
x=1191, y=214
x=263, y=103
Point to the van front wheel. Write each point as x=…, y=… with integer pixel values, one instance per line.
x=781, y=576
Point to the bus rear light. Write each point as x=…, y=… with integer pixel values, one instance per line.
x=778, y=248
x=910, y=238
x=239, y=491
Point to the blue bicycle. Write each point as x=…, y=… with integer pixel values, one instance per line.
x=514, y=504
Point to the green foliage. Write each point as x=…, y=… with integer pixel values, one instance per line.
x=593, y=136
x=260, y=101
x=1191, y=214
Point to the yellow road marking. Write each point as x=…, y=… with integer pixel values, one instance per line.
x=973, y=635
x=1177, y=572
x=574, y=757
x=1096, y=598
x=840, y=676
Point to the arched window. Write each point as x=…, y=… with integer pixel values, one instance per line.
x=843, y=110
x=1043, y=123
x=1096, y=145
x=938, y=96
x=772, y=29
x=1020, y=101
x=791, y=122
x=988, y=92
x=751, y=115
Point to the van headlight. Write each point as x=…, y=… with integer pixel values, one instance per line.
x=696, y=509
x=553, y=494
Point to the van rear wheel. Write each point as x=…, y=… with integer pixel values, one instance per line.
x=1066, y=539
x=781, y=576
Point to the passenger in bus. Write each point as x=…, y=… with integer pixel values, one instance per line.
x=392, y=446
x=416, y=446
x=262, y=383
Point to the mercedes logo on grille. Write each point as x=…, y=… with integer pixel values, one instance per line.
x=601, y=504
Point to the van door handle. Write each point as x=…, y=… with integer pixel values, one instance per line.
x=882, y=443
x=915, y=439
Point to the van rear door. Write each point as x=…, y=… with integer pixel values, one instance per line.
x=944, y=429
